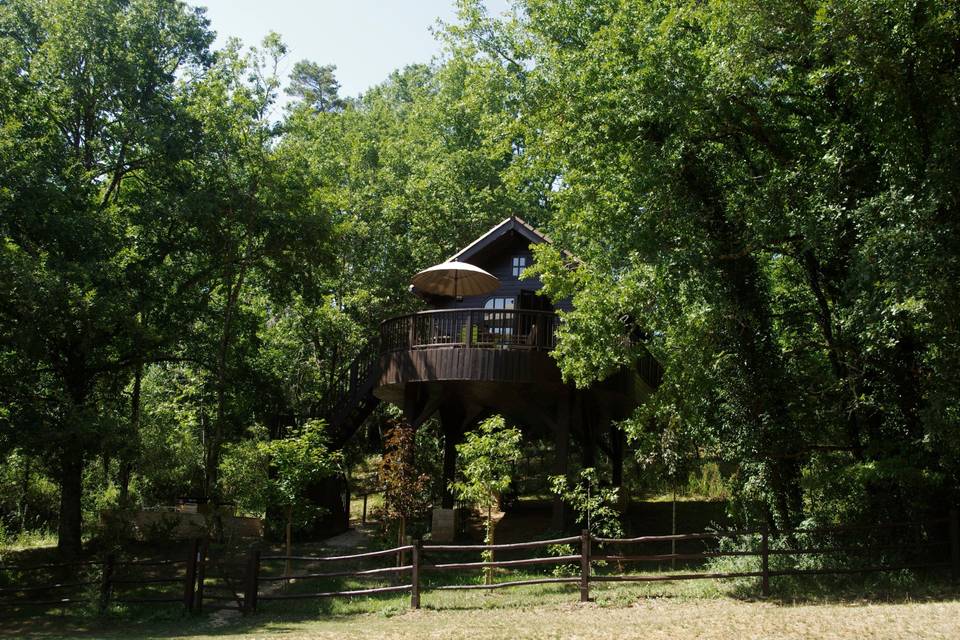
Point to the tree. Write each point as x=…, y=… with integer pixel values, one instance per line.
x=259, y=473
x=595, y=506
x=258, y=226
x=487, y=458
x=298, y=462
x=406, y=491
x=316, y=86
x=767, y=211
x=90, y=103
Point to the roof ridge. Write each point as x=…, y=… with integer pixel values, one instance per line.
x=508, y=223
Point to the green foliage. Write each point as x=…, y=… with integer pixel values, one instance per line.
x=258, y=473
x=28, y=498
x=298, y=462
x=594, y=505
x=88, y=93
x=486, y=458
x=706, y=483
x=316, y=86
x=760, y=194
x=245, y=473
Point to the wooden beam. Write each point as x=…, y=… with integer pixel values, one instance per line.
x=561, y=453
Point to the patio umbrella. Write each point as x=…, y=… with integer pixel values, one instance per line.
x=455, y=279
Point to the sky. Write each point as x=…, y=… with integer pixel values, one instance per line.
x=365, y=39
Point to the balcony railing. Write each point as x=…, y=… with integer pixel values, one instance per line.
x=470, y=329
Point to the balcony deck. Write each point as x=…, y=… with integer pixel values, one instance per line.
x=476, y=345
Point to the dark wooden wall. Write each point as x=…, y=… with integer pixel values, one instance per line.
x=497, y=258
x=489, y=365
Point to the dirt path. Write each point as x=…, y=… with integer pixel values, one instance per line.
x=357, y=538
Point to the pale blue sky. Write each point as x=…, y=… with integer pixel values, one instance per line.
x=366, y=39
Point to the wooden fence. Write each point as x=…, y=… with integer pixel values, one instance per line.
x=590, y=552
x=590, y=559
x=119, y=581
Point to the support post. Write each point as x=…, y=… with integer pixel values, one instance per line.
x=106, y=582
x=584, y=566
x=452, y=424
x=765, y=561
x=363, y=518
x=616, y=456
x=955, y=544
x=415, y=575
x=190, y=579
x=251, y=580
x=561, y=450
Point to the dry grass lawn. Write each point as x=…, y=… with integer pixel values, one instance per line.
x=650, y=619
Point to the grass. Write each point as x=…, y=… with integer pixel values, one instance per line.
x=702, y=609
x=26, y=540
x=374, y=504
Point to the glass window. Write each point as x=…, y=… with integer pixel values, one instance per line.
x=499, y=303
x=519, y=264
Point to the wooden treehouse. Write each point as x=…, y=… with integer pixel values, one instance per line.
x=470, y=356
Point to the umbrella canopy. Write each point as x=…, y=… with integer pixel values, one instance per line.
x=455, y=279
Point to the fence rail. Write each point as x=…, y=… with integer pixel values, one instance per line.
x=250, y=586
x=424, y=560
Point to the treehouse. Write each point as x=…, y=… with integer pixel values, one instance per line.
x=483, y=350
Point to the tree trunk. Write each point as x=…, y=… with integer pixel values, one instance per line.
x=763, y=388
x=127, y=453
x=401, y=532
x=24, y=503
x=215, y=440
x=71, y=489
x=288, y=568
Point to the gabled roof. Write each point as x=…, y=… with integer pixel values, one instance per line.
x=512, y=223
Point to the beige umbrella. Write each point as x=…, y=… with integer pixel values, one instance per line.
x=455, y=279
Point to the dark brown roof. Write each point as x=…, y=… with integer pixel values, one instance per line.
x=513, y=223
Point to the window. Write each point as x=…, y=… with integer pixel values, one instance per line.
x=499, y=303
x=519, y=264
x=498, y=323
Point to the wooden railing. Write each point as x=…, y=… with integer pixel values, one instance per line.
x=346, y=384
x=470, y=329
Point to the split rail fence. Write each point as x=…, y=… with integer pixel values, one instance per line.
x=589, y=559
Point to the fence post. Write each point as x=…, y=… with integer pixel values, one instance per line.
x=584, y=566
x=954, y=544
x=251, y=578
x=363, y=518
x=106, y=582
x=190, y=579
x=765, y=561
x=415, y=575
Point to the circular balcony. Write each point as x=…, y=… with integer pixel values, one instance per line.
x=478, y=345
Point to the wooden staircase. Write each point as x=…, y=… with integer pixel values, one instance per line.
x=350, y=400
